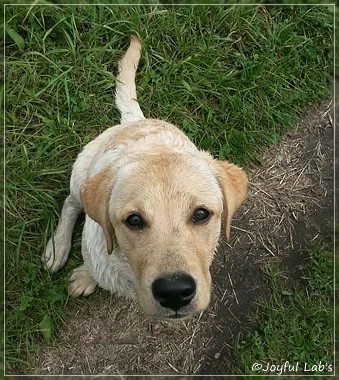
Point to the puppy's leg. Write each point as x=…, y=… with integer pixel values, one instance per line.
x=81, y=282
x=59, y=245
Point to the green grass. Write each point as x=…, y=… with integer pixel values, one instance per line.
x=233, y=78
x=295, y=324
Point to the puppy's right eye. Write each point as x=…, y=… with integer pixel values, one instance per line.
x=135, y=222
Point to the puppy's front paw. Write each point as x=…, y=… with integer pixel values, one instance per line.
x=55, y=255
x=81, y=282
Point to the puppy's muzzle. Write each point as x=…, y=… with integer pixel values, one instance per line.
x=174, y=291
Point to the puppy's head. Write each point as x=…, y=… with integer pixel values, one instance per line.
x=165, y=213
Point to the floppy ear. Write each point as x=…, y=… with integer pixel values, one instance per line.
x=95, y=198
x=233, y=182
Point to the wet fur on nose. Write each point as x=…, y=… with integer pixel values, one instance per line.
x=174, y=291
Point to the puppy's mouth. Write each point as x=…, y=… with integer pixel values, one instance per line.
x=178, y=316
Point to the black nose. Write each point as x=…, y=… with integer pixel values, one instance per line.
x=174, y=291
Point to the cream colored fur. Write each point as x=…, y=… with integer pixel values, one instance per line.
x=150, y=168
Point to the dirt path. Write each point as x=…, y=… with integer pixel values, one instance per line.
x=289, y=208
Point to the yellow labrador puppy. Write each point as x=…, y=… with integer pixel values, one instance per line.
x=153, y=205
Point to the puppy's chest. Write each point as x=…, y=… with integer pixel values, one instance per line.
x=112, y=272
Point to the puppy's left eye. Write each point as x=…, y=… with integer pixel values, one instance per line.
x=200, y=216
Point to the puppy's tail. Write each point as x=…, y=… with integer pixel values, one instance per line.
x=125, y=93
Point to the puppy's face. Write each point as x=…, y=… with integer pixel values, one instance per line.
x=165, y=212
